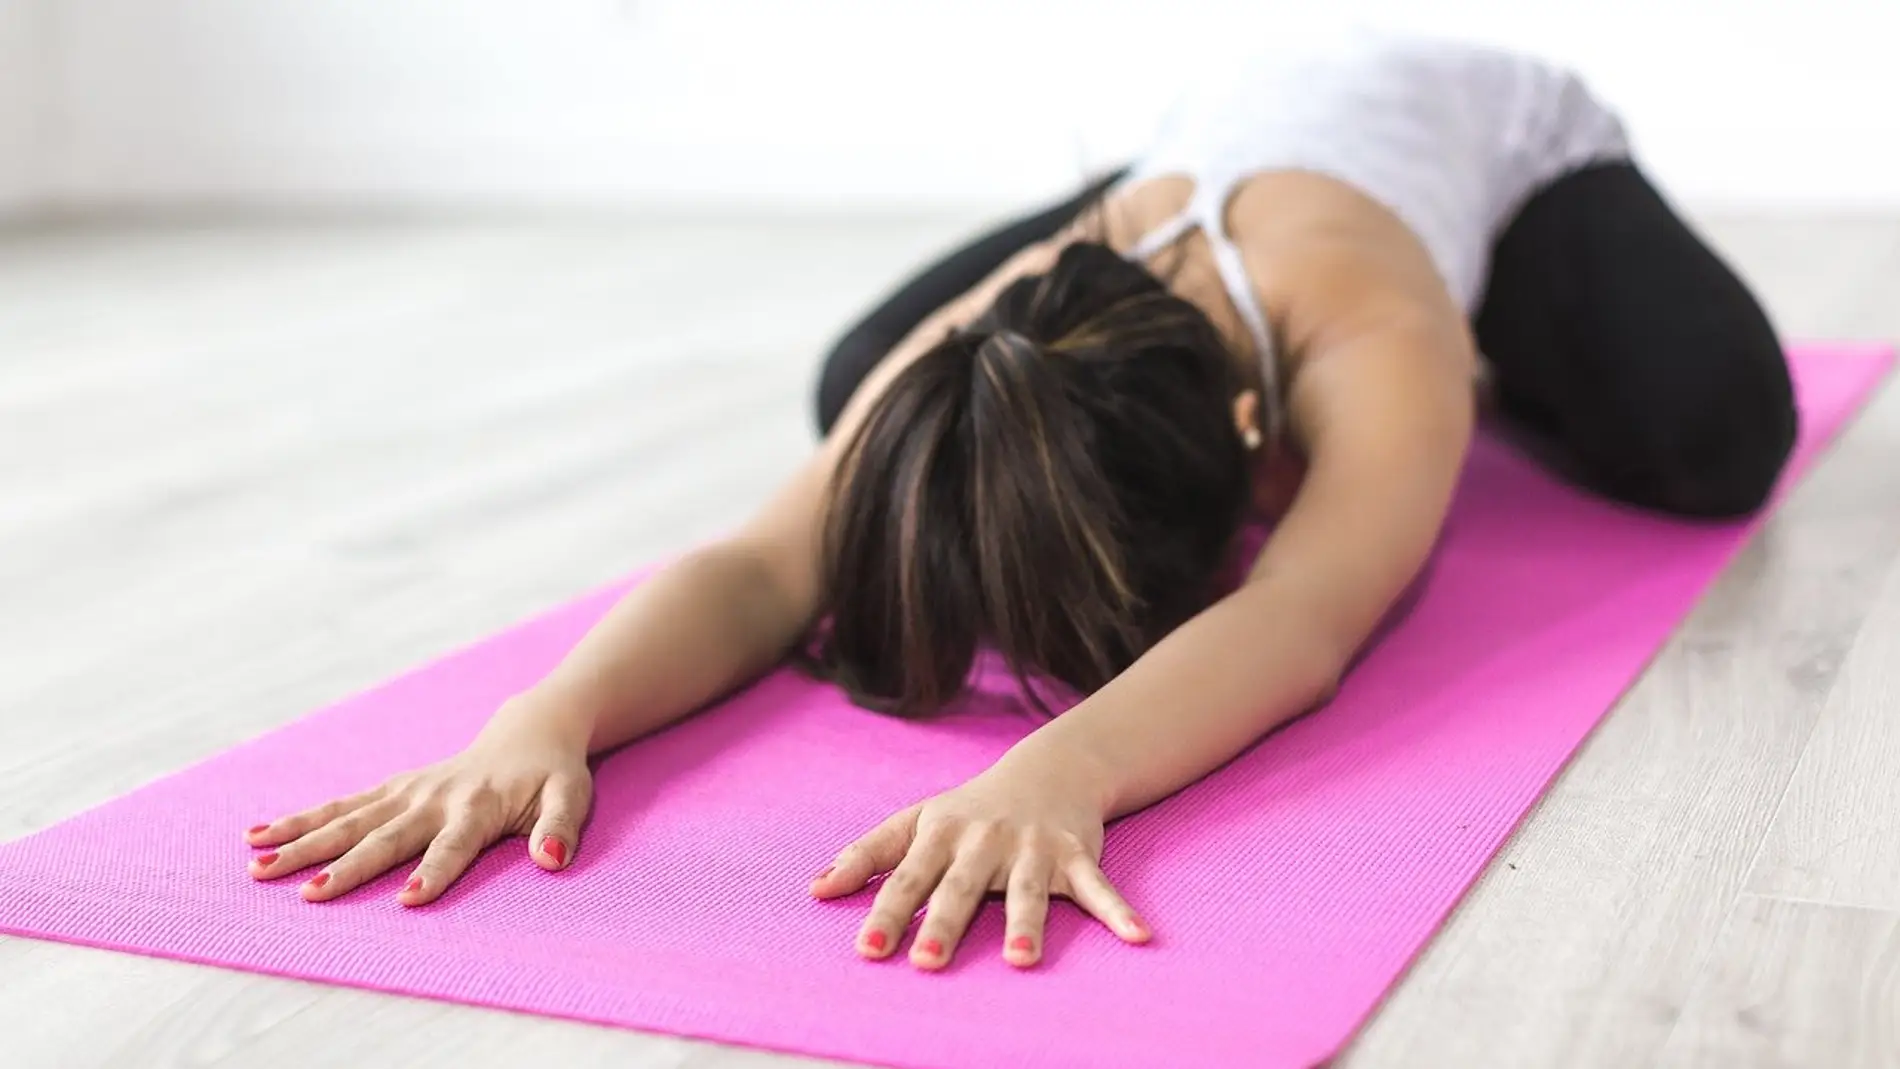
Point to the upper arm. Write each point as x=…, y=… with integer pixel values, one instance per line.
x=1383, y=406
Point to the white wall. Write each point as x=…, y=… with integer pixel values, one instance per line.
x=864, y=102
x=23, y=104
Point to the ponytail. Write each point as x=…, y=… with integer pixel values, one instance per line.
x=1061, y=481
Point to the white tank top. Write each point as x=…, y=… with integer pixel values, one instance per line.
x=1452, y=138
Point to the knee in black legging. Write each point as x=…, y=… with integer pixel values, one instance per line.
x=1717, y=452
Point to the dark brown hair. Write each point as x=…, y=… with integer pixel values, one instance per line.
x=1061, y=481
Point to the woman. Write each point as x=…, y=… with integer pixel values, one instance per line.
x=1047, y=442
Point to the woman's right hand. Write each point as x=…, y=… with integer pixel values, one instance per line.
x=520, y=777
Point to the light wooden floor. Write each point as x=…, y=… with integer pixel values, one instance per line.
x=246, y=469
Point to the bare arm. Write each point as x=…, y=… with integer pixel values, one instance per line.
x=725, y=613
x=1386, y=410
x=711, y=621
x=1384, y=406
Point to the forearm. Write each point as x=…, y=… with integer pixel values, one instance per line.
x=705, y=625
x=1355, y=537
x=1195, y=700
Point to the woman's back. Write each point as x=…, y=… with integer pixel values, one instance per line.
x=1449, y=137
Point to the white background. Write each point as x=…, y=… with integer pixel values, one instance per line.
x=835, y=103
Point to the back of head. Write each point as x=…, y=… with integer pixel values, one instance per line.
x=1061, y=481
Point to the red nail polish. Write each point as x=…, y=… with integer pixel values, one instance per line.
x=319, y=879
x=259, y=829
x=875, y=940
x=930, y=947
x=265, y=860
x=414, y=884
x=1022, y=943
x=555, y=849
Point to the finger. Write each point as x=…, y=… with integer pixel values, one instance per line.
x=878, y=851
x=903, y=894
x=449, y=855
x=564, y=802
x=381, y=850
x=284, y=829
x=327, y=842
x=959, y=894
x=1091, y=890
x=1026, y=909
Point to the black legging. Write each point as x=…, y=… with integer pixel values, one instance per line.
x=866, y=343
x=1638, y=362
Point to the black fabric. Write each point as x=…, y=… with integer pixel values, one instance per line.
x=1622, y=347
x=871, y=338
x=1637, y=357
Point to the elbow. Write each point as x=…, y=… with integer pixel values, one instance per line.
x=1310, y=651
x=1326, y=687
x=768, y=604
x=1333, y=648
x=1321, y=684
x=1310, y=679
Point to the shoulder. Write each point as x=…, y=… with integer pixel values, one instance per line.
x=1331, y=260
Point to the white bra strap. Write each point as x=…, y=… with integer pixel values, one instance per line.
x=1206, y=213
x=1164, y=235
x=1233, y=272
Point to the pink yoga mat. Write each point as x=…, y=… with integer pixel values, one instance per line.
x=1288, y=891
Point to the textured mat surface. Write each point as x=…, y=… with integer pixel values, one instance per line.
x=1288, y=891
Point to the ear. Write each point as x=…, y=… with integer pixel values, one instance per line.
x=1247, y=417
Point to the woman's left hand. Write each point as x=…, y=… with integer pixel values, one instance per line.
x=1011, y=829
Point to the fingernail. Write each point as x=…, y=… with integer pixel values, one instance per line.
x=259, y=829
x=319, y=879
x=414, y=884
x=555, y=849
x=1022, y=943
x=1136, y=925
x=875, y=940
x=829, y=869
x=265, y=860
x=930, y=947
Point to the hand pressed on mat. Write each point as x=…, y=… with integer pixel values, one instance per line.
x=1015, y=829
x=522, y=775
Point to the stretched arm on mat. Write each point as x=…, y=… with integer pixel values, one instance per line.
x=709, y=623
x=1384, y=408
